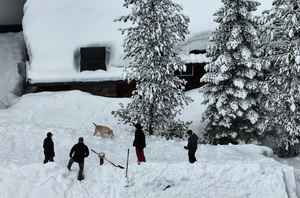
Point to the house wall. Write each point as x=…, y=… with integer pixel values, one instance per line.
x=108, y=88
x=11, y=12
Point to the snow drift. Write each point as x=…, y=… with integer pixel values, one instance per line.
x=221, y=171
x=11, y=53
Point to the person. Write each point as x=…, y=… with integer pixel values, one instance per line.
x=48, y=146
x=139, y=143
x=192, y=146
x=77, y=154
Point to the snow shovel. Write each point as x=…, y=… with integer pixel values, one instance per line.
x=118, y=166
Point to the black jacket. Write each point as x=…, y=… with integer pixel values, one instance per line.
x=79, y=151
x=139, y=139
x=48, y=146
x=192, y=141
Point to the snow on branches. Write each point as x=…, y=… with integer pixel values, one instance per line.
x=156, y=28
x=282, y=85
x=233, y=75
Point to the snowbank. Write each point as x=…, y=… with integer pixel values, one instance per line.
x=11, y=53
x=221, y=171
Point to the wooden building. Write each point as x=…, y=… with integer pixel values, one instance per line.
x=78, y=46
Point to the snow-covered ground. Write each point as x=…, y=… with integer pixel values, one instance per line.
x=11, y=53
x=221, y=171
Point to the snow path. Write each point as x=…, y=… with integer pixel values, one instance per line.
x=221, y=171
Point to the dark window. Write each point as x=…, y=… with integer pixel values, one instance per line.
x=188, y=72
x=196, y=51
x=92, y=58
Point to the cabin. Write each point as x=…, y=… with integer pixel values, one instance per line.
x=193, y=54
x=79, y=46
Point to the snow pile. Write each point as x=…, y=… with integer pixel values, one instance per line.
x=221, y=171
x=11, y=53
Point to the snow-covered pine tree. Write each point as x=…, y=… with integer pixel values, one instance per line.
x=282, y=85
x=233, y=75
x=156, y=29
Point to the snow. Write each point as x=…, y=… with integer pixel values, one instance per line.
x=195, y=58
x=54, y=38
x=113, y=74
x=297, y=59
x=221, y=171
x=11, y=53
x=197, y=41
x=62, y=28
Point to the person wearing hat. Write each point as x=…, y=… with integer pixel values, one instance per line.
x=77, y=154
x=192, y=146
x=139, y=143
x=48, y=146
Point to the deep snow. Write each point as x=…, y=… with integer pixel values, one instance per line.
x=11, y=53
x=221, y=171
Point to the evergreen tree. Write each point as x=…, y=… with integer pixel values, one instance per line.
x=282, y=85
x=156, y=28
x=233, y=75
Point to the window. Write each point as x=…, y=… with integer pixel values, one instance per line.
x=92, y=58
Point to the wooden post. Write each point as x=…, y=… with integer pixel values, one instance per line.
x=127, y=164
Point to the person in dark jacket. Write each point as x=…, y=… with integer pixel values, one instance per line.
x=77, y=154
x=48, y=146
x=139, y=143
x=192, y=146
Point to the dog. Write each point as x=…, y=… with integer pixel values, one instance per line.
x=103, y=131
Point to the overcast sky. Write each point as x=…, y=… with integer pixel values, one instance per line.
x=202, y=10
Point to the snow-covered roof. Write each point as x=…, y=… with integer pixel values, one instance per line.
x=195, y=58
x=198, y=41
x=55, y=30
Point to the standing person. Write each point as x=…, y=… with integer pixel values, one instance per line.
x=77, y=154
x=48, y=146
x=139, y=143
x=192, y=146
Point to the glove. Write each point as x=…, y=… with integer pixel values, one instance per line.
x=185, y=147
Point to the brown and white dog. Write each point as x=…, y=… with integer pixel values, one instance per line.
x=103, y=131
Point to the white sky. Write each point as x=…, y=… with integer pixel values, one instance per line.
x=201, y=12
